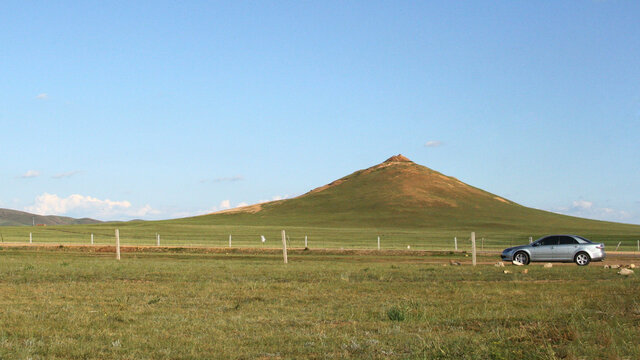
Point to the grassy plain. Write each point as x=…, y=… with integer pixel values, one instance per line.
x=69, y=304
x=189, y=232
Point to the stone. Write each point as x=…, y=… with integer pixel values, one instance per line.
x=632, y=266
x=548, y=265
x=517, y=263
x=507, y=272
x=615, y=266
x=607, y=266
x=525, y=271
x=499, y=264
x=454, y=263
x=625, y=271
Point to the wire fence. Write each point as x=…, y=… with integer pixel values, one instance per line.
x=269, y=237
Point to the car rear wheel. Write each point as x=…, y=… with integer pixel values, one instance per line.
x=582, y=259
x=521, y=257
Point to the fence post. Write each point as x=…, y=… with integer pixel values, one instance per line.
x=638, y=245
x=91, y=238
x=30, y=238
x=530, y=239
x=117, y=244
x=455, y=243
x=473, y=248
x=284, y=247
x=157, y=239
x=378, y=242
x=482, y=245
x=618, y=245
x=305, y=242
x=229, y=240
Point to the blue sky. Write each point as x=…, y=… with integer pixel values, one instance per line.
x=133, y=109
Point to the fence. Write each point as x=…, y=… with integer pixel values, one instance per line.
x=270, y=237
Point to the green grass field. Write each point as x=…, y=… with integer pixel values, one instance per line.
x=71, y=304
x=180, y=233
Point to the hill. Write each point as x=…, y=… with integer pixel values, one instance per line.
x=399, y=193
x=404, y=203
x=20, y=218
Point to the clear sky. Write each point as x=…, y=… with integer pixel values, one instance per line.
x=162, y=109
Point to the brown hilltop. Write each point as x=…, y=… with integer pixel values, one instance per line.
x=398, y=158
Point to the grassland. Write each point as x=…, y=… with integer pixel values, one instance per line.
x=66, y=304
x=190, y=233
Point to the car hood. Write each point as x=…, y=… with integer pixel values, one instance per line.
x=515, y=248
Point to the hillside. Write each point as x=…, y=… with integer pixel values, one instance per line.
x=399, y=193
x=20, y=218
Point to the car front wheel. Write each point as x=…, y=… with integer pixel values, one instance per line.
x=521, y=257
x=582, y=259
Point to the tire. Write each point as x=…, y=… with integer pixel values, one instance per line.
x=521, y=257
x=582, y=259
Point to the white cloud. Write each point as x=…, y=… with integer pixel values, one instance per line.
x=30, y=174
x=230, y=178
x=582, y=205
x=224, y=179
x=86, y=206
x=42, y=96
x=225, y=204
x=242, y=204
x=433, y=143
x=65, y=175
x=275, y=198
x=588, y=209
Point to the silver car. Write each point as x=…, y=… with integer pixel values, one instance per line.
x=565, y=248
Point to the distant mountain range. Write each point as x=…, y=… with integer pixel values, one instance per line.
x=10, y=217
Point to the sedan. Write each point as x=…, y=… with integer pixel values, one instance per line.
x=563, y=248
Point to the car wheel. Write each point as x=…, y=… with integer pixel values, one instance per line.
x=582, y=259
x=521, y=257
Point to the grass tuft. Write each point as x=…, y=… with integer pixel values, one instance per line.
x=395, y=313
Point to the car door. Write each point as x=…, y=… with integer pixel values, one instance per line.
x=567, y=247
x=542, y=250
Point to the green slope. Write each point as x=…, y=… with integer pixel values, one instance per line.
x=399, y=193
x=20, y=218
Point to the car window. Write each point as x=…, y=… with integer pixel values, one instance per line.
x=549, y=240
x=567, y=240
x=583, y=240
